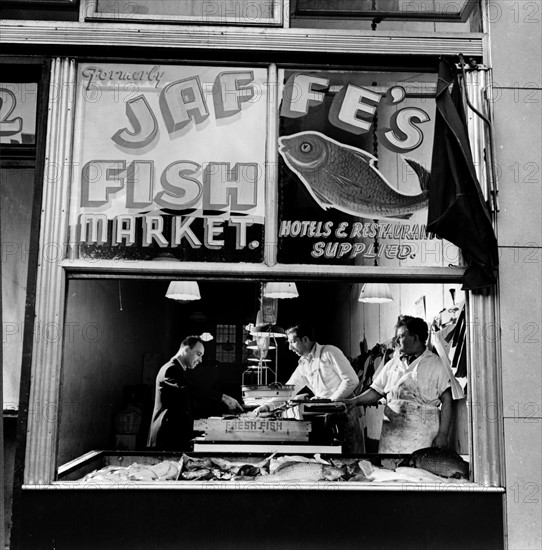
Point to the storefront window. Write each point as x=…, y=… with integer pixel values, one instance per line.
x=45, y=10
x=355, y=161
x=118, y=333
x=18, y=102
x=18, y=113
x=16, y=194
x=170, y=163
x=189, y=173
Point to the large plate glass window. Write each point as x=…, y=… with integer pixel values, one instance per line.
x=18, y=113
x=112, y=353
x=355, y=154
x=18, y=104
x=169, y=163
x=48, y=10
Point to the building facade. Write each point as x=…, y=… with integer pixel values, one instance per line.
x=152, y=141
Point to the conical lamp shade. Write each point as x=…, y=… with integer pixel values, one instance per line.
x=184, y=291
x=375, y=293
x=280, y=290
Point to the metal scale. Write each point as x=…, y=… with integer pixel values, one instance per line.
x=259, y=382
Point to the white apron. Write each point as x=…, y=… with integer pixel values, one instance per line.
x=408, y=424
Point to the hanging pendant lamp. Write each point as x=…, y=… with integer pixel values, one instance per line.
x=280, y=290
x=375, y=293
x=183, y=291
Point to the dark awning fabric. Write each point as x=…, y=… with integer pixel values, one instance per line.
x=457, y=209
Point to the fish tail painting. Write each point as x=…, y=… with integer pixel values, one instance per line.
x=346, y=178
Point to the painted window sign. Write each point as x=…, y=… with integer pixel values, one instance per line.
x=355, y=153
x=169, y=162
x=18, y=102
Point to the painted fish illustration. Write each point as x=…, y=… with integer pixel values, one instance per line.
x=442, y=462
x=343, y=177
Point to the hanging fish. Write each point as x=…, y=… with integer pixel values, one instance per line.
x=343, y=177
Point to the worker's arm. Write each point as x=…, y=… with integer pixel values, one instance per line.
x=368, y=397
x=232, y=404
x=441, y=439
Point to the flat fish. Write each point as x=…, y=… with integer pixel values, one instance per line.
x=380, y=475
x=195, y=463
x=303, y=471
x=358, y=477
x=167, y=469
x=234, y=466
x=366, y=468
x=196, y=474
x=295, y=471
x=442, y=462
x=419, y=475
x=277, y=462
x=138, y=472
x=345, y=178
x=331, y=473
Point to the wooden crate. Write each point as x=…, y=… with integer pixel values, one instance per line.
x=255, y=429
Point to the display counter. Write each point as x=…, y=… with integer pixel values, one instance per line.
x=297, y=467
x=242, y=513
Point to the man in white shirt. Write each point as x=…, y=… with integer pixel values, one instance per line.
x=416, y=386
x=326, y=371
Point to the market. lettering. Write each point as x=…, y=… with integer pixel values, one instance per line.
x=95, y=229
x=353, y=110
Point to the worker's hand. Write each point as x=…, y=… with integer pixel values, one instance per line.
x=232, y=404
x=263, y=409
x=350, y=403
x=440, y=440
x=300, y=397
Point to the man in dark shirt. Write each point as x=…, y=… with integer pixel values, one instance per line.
x=173, y=415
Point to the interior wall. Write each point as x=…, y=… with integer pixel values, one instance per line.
x=110, y=327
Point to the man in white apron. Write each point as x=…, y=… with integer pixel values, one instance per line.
x=415, y=383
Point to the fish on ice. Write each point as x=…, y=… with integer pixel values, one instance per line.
x=442, y=462
x=303, y=471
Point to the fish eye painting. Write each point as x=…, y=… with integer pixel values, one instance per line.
x=355, y=151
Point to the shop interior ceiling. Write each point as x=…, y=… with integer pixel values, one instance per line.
x=328, y=306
